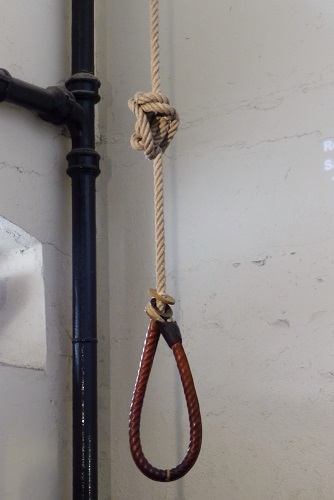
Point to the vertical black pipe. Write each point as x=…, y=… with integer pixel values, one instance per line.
x=82, y=36
x=84, y=339
x=83, y=168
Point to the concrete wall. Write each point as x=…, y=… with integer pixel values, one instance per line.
x=35, y=458
x=249, y=204
x=249, y=211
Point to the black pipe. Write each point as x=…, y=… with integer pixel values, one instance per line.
x=83, y=168
x=74, y=106
x=54, y=104
x=84, y=383
x=82, y=36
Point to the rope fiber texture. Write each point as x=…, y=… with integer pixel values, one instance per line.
x=195, y=442
x=156, y=125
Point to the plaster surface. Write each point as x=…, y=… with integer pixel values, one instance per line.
x=35, y=422
x=22, y=299
x=249, y=213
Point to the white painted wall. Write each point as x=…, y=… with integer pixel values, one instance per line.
x=22, y=299
x=35, y=458
x=250, y=244
x=249, y=212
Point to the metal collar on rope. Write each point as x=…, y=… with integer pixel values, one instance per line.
x=163, y=314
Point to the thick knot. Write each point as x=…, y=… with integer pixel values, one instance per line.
x=156, y=125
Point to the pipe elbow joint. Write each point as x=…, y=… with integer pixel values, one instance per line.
x=5, y=81
x=66, y=109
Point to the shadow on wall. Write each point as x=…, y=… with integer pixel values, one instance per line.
x=22, y=302
x=3, y=294
x=17, y=286
x=103, y=295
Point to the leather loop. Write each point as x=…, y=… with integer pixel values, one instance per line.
x=195, y=441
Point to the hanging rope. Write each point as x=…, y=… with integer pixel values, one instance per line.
x=156, y=125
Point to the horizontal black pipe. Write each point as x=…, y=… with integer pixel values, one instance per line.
x=53, y=104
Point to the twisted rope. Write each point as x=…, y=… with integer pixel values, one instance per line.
x=156, y=125
x=155, y=50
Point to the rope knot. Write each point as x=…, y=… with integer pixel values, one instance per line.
x=156, y=125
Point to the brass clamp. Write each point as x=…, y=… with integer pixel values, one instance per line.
x=152, y=309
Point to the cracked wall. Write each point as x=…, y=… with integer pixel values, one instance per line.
x=249, y=224
x=249, y=213
x=35, y=316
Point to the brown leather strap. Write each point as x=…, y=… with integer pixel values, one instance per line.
x=151, y=342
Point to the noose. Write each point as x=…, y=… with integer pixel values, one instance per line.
x=157, y=123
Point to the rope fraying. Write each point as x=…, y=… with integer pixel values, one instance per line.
x=156, y=125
